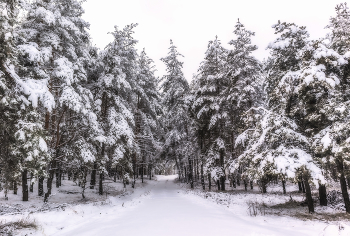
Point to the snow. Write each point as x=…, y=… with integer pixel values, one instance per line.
x=326, y=141
x=163, y=207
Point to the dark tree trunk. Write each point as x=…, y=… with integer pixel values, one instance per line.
x=223, y=179
x=303, y=186
x=15, y=188
x=284, y=186
x=323, y=195
x=238, y=182
x=150, y=172
x=251, y=184
x=100, y=185
x=57, y=175
x=263, y=183
x=84, y=183
x=202, y=177
x=218, y=184
x=209, y=181
x=41, y=186
x=245, y=185
x=50, y=179
x=348, y=179
x=31, y=189
x=115, y=174
x=142, y=173
x=93, y=177
x=310, y=201
x=300, y=188
x=197, y=170
x=190, y=172
x=25, y=193
x=343, y=186
x=234, y=182
x=69, y=175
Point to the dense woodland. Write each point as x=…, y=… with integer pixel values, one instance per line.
x=69, y=108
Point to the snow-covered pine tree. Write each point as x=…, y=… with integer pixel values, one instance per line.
x=329, y=66
x=114, y=97
x=175, y=88
x=55, y=31
x=148, y=109
x=27, y=151
x=209, y=110
x=275, y=141
x=244, y=89
x=9, y=95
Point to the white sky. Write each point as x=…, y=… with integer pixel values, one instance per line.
x=192, y=23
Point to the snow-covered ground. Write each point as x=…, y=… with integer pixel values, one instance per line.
x=163, y=207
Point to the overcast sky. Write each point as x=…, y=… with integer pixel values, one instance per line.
x=192, y=23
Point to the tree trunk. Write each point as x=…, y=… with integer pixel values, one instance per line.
x=41, y=186
x=303, y=186
x=31, y=189
x=310, y=201
x=84, y=183
x=284, y=186
x=348, y=179
x=25, y=193
x=50, y=179
x=100, y=185
x=93, y=177
x=218, y=184
x=234, y=182
x=343, y=186
x=245, y=185
x=223, y=179
x=202, y=177
x=142, y=173
x=115, y=174
x=300, y=188
x=15, y=188
x=209, y=181
x=322, y=194
x=263, y=183
x=190, y=172
x=251, y=184
x=150, y=172
x=57, y=172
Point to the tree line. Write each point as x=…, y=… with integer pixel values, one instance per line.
x=284, y=118
x=67, y=107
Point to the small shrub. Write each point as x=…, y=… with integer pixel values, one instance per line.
x=9, y=227
x=256, y=208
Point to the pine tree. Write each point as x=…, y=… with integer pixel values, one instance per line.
x=209, y=109
x=175, y=88
x=114, y=97
x=276, y=141
x=244, y=90
x=148, y=109
x=54, y=32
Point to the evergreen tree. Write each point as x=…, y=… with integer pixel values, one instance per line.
x=209, y=109
x=175, y=88
x=56, y=33
x=114, y=96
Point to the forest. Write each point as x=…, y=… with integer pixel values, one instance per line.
x=71, y=110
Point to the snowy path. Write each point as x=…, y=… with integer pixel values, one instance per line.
x=169, y=212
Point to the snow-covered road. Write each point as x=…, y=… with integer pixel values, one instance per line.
x=169, y=212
